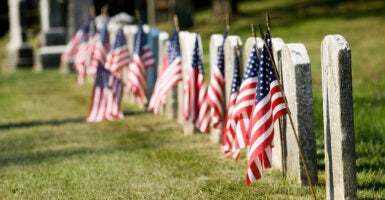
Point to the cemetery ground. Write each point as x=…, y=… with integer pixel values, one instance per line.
x=48, y=152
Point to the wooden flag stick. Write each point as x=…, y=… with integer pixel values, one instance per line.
x=255, y=38
x=137, y=15
x=176, y=23
x=288, y=113
x=228, y=22
x=279, y=123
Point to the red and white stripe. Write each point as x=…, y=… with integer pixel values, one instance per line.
x=196, y=107
x=215, y=98
x=167, y=80
x=118, y=59
x=261, y=131
x=137, y=79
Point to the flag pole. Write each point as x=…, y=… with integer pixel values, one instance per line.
x=279, y=122
x=255, y=38
x=176, y=23
x=137, y=15
x=288, y=110
x=227, y=22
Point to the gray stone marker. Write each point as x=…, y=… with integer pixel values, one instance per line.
x=186, y=41
x=248, y=48
x=298, y=89
x=151, y=74
x=230, y=51
x=53, y=34
x=216, y=40
x=340, y=158
x=279, y=150
x=129, y=32
x=77, y=13
x=19, y=52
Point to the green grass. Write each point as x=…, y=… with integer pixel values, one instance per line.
x=48, y=152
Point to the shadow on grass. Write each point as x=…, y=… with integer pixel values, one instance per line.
x=28, y=124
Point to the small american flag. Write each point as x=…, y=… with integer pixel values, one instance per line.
x=230, y=123
x=106, y=97
x=119, y=56
x=80, y=61
x=170, y=77
x=73, y=45
x=245, y=100
x=142, y=60
x=100, y=50
x=196, y=107
x=269, y=106
x=215, y=96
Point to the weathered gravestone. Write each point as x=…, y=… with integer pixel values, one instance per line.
x=186, y=41
x=169, y=109
x=340, y=159
x=129, y=32
x=279, y=150
x=53, y=34
x=296, y=76
x=216, y=40
x=230, y=53
x=151, y=73
x=249, y=47
x=19, y=52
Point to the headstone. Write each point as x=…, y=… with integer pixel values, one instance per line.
x=340, y=158
x=298, y=89
x=279, y=153
x=19, y=52
x=249, y=47
x=216, y=40
x=230, y=51
x=78, y=12
x=129, y=32
x=151, y=73
x=53, y=33
x=186, y=41
x=169, y=108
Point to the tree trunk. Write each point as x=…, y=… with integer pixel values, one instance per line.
x=221, y=9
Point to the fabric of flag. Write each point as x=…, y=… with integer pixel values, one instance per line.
x=268, y=106
x=119, y=57
x=80, y=61
x=142, y=60
x=106, y=97
x=91, y=45
x=230, y=123
x=196, y=108
x=73, y=45
x=170, y=77
x=100, y=50
x=215, y=93
x=114, y=97
x=245, y=100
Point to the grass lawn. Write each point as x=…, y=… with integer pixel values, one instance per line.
x=48, y=152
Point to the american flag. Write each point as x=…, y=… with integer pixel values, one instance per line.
x=215, y=96
x=73, y=45
x=196, y=107
x=142, y=60
x=170, y=77
x=106, y=97
x=230, y=123
x=80, y=63
x=269, y=106
x=100, y=50
x=119, y=56
x=245, y=100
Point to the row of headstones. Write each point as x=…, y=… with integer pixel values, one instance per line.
x=294, y=66
x=295, y=70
